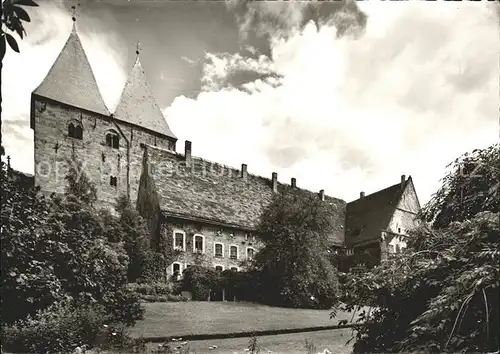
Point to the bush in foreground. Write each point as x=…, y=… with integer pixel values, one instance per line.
x=442, y=294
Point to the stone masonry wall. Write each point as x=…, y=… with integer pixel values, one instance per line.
x=54, y=148
x=212, y=234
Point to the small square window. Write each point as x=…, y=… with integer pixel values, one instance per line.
x=219, y=268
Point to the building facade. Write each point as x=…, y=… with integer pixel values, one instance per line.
x=208, y=210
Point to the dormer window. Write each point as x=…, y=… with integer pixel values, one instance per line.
x=113, y=139
x=75, y=130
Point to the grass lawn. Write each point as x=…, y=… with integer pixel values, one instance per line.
x=333, y=340
x=202, y=317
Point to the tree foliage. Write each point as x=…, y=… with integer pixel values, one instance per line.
x=13, y=16
x=442, y=294
x=55, y=249
x=294, y=262
x=471, y=185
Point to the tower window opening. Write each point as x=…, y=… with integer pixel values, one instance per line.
x=75, y=131
x=113, y=140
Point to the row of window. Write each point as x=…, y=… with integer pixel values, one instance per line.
x=199, y=246
x=75, y=131
x=177, y=268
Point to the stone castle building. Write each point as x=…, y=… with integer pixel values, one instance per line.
x=205, y=207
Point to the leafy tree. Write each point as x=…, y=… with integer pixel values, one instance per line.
x=12, y=18
x=54, y=249
x=442, y=295
x=135, y=235
x=78, y=184
x=470, y=186
x=294, y=262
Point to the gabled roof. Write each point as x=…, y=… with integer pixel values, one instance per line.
x=138, y=106
x=71, y=80
x=368, y=216
x=209, y=191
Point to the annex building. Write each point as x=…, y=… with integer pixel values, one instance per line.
x=204, y=207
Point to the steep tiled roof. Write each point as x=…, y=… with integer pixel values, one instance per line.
x=138, y=106
x=213, y=192
x=367, y=216
x=71, y=80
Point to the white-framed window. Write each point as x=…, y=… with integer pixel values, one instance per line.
x=219, y=249
x=250, y=253
x=246, y=236
x=233, y=251
x=219, y=268
x=179, y=238
x=253, y=238
x=199, y=243
x=176, y=270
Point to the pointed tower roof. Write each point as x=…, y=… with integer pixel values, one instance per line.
x=138, y=106
x=71, y=80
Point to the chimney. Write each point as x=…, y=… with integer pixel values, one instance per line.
x=294, y=182
x=244, y=172
x=403, y=181
x=187, y=152
x=361, y=194
x=275, y=182
x=322, y=194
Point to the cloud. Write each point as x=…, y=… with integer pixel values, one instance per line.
x=50, y=27
x=404, y=90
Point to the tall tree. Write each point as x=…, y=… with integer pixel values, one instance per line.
x=294, y=262
x=442, y=295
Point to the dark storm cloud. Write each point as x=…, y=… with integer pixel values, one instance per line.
x=259, y=21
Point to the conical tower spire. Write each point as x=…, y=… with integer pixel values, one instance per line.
x=137, y=104
x=71, y=80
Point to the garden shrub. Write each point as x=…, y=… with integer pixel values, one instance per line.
x=57, y=329
x=200, y=280
x=151, y=288
x=163, y=298
x=55, y=250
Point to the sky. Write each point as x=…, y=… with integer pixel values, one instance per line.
x=344, y=97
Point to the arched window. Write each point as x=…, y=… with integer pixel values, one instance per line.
x=75, y=130
x=250, y=253
x=198, y=243
x=113, y=139
x=233, y=252
x=218, y=250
